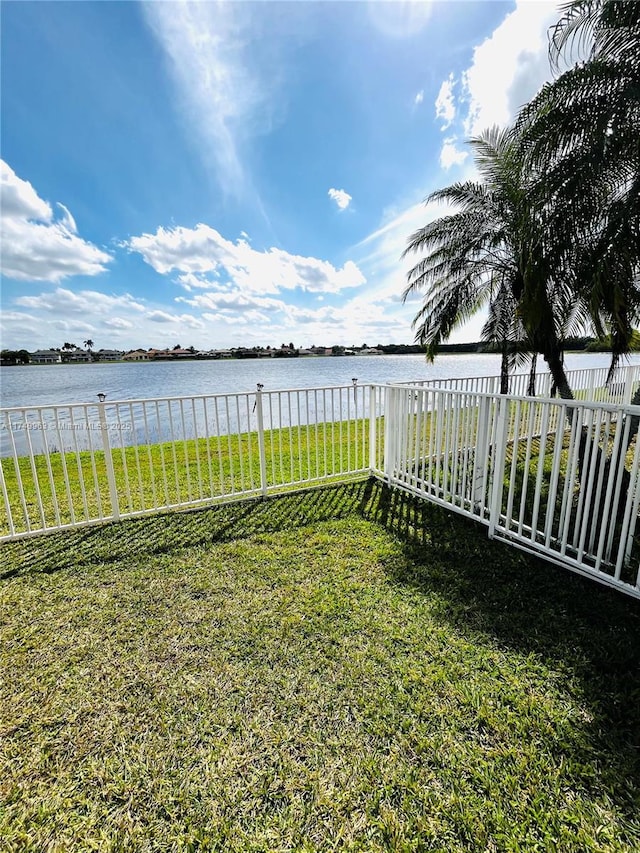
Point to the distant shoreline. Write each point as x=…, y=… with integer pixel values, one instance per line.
x=477, y=348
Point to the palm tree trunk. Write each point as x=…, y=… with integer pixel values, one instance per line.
x=504, y=370
x=531, y=389
x=554, y=359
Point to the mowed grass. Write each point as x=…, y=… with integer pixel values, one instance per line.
x=72, y=487
x=344, y=669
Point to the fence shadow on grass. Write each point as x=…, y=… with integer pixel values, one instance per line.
x=172, y=532
x=570, y=623
x=484, y=588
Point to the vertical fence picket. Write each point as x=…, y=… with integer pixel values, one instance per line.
x=481, y=456
x=307, y=432
x=34, y=471
x=240, y=447
x=570, y=478
x=18, y=474
x=207, y=438
x=63, y=465
x=196, y=444
x=219, y=434
x=232, y=474
x=163, y=465
x=631, y=513
x=618, y=457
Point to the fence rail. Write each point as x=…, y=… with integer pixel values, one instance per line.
x=558, y=478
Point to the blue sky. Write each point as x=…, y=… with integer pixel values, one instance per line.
x=227, y=174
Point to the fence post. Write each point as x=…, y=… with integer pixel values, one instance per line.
x=261, y=452
x=499, y=459
x=629, y=373
x=108, y=457
x=373, y=450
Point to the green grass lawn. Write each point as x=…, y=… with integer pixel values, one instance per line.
x=338, y=670
x=68, y=488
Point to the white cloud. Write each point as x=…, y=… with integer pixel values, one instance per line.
x=341, y=198
x=19, y=199
x=385, y=245
x=117, y=323
x=194, y=251
x=15, y=316
x=90, y=302
x=160, y=317
x=242, y=308
x=508, y=68
x=445, y=105
x=419, y=98
x=72, y=326
x=34, y=247
x=236, y=301
x=189, y=280
x=112, y=321
x=183, y=319
x=209, y=55
x=379, y=255
x=67, y=222
x=263, y=317
x=450, y=154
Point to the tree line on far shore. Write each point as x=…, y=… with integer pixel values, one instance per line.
x=11, y=357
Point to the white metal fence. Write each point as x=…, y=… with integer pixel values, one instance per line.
x=560, y=479
x=70, y=465
x=588, y=384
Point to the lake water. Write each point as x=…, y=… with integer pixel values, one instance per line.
x=40, y=385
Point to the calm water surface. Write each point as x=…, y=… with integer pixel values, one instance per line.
x=40, y=385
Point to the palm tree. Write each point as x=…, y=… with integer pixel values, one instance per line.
x=555, y=225
x=581, y=136
x=560, y=214
x=496, y=251
x=88, y=345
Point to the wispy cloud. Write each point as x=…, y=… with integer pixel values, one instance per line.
x=445, y=105
x=491, y=90
x=117, y=319
x=82, y=303
x=207, y=45
x=399, y=20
